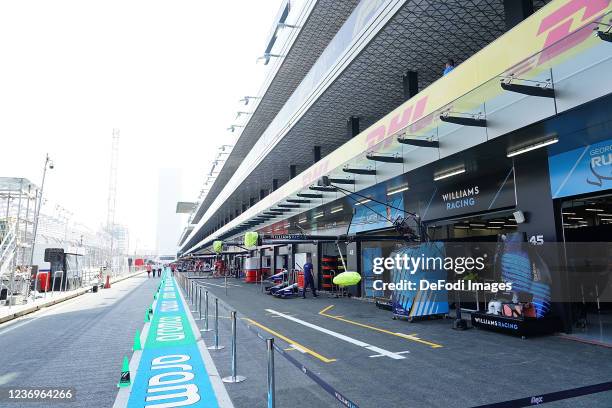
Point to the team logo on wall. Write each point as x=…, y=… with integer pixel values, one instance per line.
x=584, y=170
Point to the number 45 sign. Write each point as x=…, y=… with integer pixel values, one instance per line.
x=536, y=240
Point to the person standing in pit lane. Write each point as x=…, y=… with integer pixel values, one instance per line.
x=148, y=270
x=308, y=279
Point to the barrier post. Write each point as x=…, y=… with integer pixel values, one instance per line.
x=200, y=303
x=205, y=329
x=216, y=346
x=196, y=290
x=271, y=385
x=234, y=378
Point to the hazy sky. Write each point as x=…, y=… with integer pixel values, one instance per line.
x=168, y=74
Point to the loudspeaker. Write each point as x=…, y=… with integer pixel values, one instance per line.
x=519, y=216
x=54, y=254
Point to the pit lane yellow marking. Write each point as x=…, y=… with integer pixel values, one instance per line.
x=412, y=337
x=294, y=343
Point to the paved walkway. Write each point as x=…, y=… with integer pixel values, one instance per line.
x=79, y=343
x=48, y=299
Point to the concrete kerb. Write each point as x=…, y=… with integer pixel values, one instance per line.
x=57, y=300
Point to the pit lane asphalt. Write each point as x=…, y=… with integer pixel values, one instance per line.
x=471, y=368
x=79, y=343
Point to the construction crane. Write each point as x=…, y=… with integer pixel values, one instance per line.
x=112, y=195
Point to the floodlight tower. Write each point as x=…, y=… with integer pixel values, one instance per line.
x=112, y=194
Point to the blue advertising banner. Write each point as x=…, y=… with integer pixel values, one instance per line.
x=587, y=169
x=171, y=372
x=373, y=216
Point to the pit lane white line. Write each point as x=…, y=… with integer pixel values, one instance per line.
x=214, y=284
x=343, y=337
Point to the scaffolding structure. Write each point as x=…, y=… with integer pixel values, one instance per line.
x=19, y=199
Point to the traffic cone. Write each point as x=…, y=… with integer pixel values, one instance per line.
x=125, y=381
x=107, y=284
x=137, y=346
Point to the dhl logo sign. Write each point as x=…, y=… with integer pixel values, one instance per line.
x=563, y=29
x=398, y=121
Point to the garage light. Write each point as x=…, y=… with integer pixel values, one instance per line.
x=397, y=190
x=319, y=215
x=568, y=213
x=448, y=174
x=477, y=225
x=335, y=210
x=532, y=147
x=363, y=202
x=604, y=215
x=594, y=209
x=511, y=225
x=303, y=220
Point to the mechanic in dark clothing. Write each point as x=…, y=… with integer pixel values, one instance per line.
x=308, y=279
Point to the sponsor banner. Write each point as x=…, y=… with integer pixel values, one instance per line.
x=587, y=169
x=457, y=198
x=171, y=371
x=371, y=216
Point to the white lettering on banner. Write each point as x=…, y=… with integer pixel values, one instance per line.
x=175, y=377
x=170, y=328
x=159, y=383
x=169, y=295
x=169, y=306
x=461, y=198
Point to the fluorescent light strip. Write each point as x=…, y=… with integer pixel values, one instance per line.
x=497, y=222
x=568, y=213
x=510, y=225
x=319, y=215
x=604, y=215
x=494, y=227
x=335, y=210
x=303, y=220
x=363, y=202
x=594, y=209
x=605, y=219
x=575, y=218
x=397, y=190
x=477, y=225
x=461, y=226
x=451, y=173
x=532, y=147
